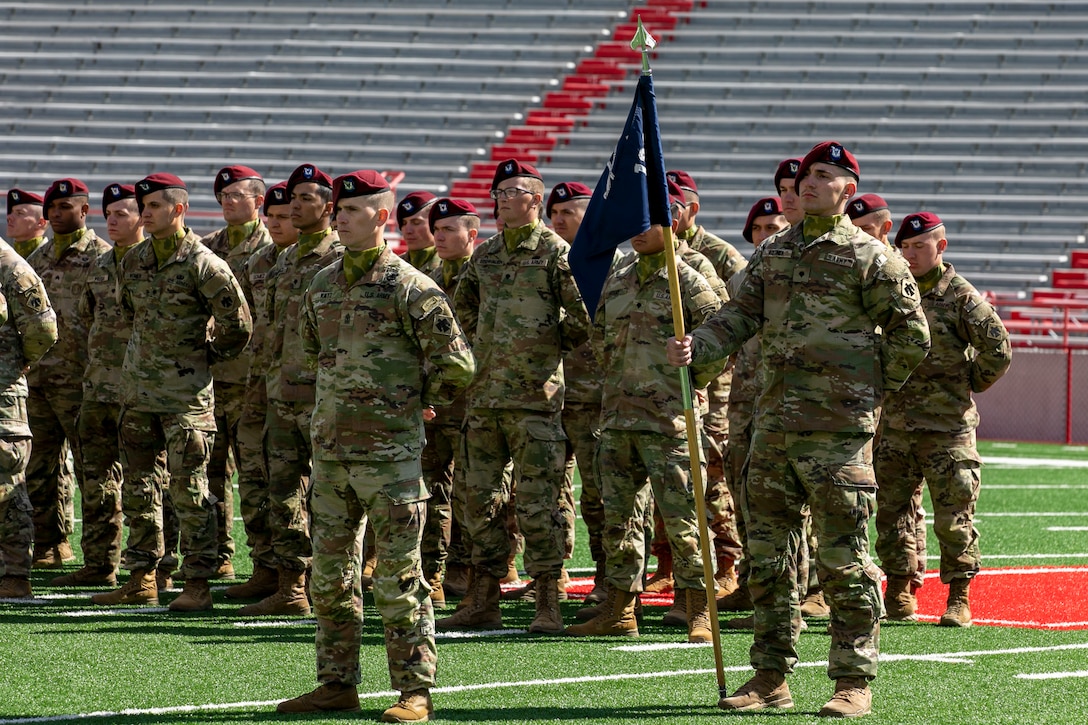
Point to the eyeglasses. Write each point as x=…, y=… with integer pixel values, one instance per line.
x=677, y=208
x=235, y=196
x=508, y=193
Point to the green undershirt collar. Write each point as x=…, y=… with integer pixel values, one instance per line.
x=308, y=242
x=930, y=279
x=512, y=237
x=165, y=248
x=356, y=264
x=238, y=233
x=61, y=242
x=814, y=227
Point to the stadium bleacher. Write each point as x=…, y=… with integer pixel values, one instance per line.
x=969, y=108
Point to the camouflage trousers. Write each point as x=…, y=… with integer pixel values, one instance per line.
x=16, y=520
x=225, y=460
x=443, y=442
x=736, y=458
x=536, y=444
x=391, y=498
x=100, y=487
x=582, y=424
x=53, y=411
x=287, y=456
x=833, y=474
x=950, y=465
x=631, y=464
x=253, y=476
x=187, y=440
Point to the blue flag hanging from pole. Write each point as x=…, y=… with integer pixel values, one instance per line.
x=631, y=196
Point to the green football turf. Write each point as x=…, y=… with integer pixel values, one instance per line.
x=66, y=661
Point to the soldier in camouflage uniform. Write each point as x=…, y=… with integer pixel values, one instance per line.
x=455, y=225
x=240, y=192
x=289, y=384
x=26, y=221
x=109, y=332
x=28, y=328
x=522, y=311
x=187, y=312
x=818, y=292
x=413, y=220
x=252, y=472
x=64, y=264
x=928, y=427
x=386, y=347
x=643, y=444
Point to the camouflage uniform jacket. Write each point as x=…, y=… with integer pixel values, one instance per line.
x=641, y=391
x=724, y=256
x=109, y=330
x=287, y=376
x=254, y=280
x=522, y=312
x=971, y=351
x=167, y=367
x=453, y=413
x=747, y=381
x=28, y=328
x=237, y=370
x=384, y=348
x=819, y=305
x=428, y=264
x=65, y=279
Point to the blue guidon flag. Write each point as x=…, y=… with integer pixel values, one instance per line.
x=630, y=197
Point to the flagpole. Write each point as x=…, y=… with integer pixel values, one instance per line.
x=644, y=42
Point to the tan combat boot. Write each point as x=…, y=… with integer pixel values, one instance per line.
x=482, y=612
x=264, y=583
x=367, y=577
x=456, y=582
x=768, y=688
x=330, y=697
x=726, y=578
x=661, y=581
x=414, y=706
x=15, y=587
x=852, y=698
x=548, y=619
x=87, y=576
x=139, y=589
x=438, y=592
x=616, y=617
x=53, y=557
x=900, y=604
x=511, y=576
x=814, y=606
x=600, y=589
x=677, y=616
x=195, y=597
x=289, y=599
x=958, y=611
x=224, y=570
x=698, y=610
x=163, y=580
x=466, y=600
x=739, y=600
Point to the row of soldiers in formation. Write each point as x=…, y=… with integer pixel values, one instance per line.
x=322, y=394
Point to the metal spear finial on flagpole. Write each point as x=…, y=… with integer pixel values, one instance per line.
x=645, y=42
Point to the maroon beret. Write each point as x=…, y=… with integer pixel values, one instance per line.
x=18, y=197
x=156, y=182
x=116, y=192
x=683, y=180
x=306, y=174
x=676, y=193
x=512, y=168
x=865, y=204
x=764, y=207
x=413, y=204
x=358, y=183
x=829, y=152
x=786, y=170
x=64, y=188
x=445, y=208
x=230, y=174
x=566, y=191
x=916, y=224
x=276, y=196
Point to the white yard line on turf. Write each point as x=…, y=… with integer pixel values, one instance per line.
x=1051, y=675
x=1067, y=528
x=950, y=657
x=1034, y=462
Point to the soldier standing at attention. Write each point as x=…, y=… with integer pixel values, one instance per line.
x=455, y=224
x=386, y=347
x=240, y=193
x=171, y=288
x=108, y=334
x=927, y=429
x=64, y=264
x=522, y=312
x=413, y=220
x=26, y=222
x=818, y=292
x=28, y=328
x=252, y=472
x=289, y=385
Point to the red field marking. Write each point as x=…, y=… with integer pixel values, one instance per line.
x=1035, y=598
